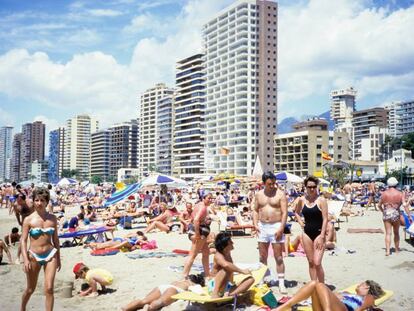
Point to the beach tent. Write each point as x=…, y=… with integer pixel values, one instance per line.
x=160, y=179
x=257, y=170
x=66, y=182
x=285, y=176
x=122, y=194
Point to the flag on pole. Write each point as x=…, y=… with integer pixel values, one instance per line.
x=326, y=156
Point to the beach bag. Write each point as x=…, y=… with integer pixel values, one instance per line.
x=257, y=293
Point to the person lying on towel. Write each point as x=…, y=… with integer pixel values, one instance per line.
x=160, y=296
x=223, y=269
x=324, y=299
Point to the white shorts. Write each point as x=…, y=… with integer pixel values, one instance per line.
x=268, y=232
x=348, y=197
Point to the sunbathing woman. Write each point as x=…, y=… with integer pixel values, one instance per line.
x=131, y=242
x=164, y=221
x=41, y=228
x=324, y=299
x=160, y=296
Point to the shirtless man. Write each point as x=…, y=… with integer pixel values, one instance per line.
x=269, y=219
x=8, y=192
x=348, y=194
x=21, y=209
x=3, y=247
x=389, y=205
x=371, y=194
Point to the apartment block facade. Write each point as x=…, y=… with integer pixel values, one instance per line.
x=189, y=107
x=148, y=131
x=56, y=154
x=241, y=87
x=77, y=150
x=362, y=121
x=101, y=154
x=32, y=147
x=342, y=106
x=165, y=135
x=405, y=117
x=6, y=138
x=16, y=157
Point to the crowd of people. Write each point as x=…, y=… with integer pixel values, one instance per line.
x=264, y=206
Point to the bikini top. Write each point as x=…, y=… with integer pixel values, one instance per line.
x=36, y=232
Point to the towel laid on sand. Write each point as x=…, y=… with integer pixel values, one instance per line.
x=365, y=230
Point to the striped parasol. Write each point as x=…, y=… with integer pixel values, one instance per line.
x=122, y=194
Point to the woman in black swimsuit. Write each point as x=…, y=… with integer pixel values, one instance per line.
x=315, y=212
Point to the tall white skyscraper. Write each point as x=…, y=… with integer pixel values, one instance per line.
x=189, y=106
x=5, y=152
x=78, y=143
x=342, y=107
x=241, y=87
x=148, y=130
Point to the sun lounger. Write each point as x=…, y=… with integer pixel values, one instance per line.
x=204, y=297
x=351, y=289
x=93, y=233
x=235, y=228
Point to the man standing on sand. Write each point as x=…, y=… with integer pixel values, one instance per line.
x=269, y=219
x=348, y=194
x=371, y=194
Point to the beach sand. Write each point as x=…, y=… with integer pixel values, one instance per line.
x=134, y=278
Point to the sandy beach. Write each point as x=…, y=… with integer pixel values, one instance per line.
x=134, y=278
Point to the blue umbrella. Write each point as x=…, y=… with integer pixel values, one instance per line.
x=285, y=176
x=122, y=194
x=159, y=179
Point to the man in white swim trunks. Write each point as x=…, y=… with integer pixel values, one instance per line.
x=269, y=219
x=348, y=194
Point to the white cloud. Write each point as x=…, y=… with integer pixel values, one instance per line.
x=105, y=12
x=333, y=44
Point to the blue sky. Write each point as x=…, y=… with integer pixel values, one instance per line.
x=60, y=58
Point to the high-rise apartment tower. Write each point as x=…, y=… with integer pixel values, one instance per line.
x=148, y=131
x=241, y=87
x=5, y=152
x=189, y=106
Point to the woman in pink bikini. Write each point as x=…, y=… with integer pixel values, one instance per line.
x=40, y=228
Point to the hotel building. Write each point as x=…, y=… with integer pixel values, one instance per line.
x=241, y=87
x=189, y=106
x=5, y=152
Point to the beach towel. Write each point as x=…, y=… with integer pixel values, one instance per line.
x=152, y=255
x=365, y=230
x=105, y=252
x=351, y=289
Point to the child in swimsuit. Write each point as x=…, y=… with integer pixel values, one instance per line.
x=93, y=277
x=40, y=228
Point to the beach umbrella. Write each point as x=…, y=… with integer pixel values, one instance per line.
x=85, y=183
x=160, y=179
x=67, y=182
x=122, y=194
x=323, y=181
x=285, y=176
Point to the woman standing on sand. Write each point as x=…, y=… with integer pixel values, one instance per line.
x=315, y=212
x=41, y=228
x=389, y=205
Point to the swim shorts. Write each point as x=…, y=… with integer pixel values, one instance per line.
x=268, y=231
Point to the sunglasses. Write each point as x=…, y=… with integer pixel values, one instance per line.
x=311, y=187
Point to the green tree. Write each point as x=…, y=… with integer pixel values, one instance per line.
x=96, y=179
x=68, y=173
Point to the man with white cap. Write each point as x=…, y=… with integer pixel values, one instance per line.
x=389, y=205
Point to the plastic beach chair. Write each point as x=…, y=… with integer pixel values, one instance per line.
x=407, y=227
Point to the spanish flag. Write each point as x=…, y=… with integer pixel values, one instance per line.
x=326, y=156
